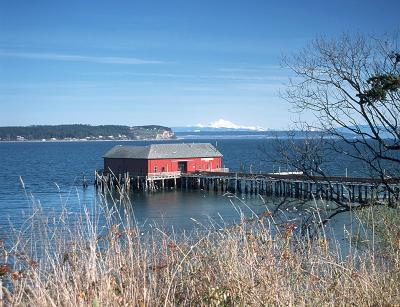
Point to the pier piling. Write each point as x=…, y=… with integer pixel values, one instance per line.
x=359, y=190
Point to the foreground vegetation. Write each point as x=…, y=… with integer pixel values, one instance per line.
x=69, y=261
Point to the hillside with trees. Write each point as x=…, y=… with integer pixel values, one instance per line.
x=84, y=132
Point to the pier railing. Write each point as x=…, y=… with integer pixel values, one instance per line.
x=164, y=175
x=289, y=184
x=215, y=170
x=220, y=170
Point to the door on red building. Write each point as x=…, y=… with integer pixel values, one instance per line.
x=182, y=166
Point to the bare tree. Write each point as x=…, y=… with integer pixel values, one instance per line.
x=350, y=88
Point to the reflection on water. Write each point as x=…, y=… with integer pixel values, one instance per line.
x=52, y=174
x=183, y=210
x=178, y=211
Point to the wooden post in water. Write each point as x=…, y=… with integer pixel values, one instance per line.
x=360, y=193
x=326, y=188
x=96, y=184
x=341, y=192
x=353, y=192
x=236, y=183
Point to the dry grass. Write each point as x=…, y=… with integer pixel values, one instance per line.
x=64, y=262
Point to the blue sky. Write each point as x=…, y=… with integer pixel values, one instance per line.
x=174, y=63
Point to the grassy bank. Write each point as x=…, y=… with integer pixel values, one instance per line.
x=65, y=262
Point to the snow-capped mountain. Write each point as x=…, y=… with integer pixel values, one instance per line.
x=219, y=125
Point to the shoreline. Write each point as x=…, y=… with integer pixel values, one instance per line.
x=84, y=141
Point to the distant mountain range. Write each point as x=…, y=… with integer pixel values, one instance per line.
x=216, y=130
x=227, y=129
x=383, y=132
x=234, y=134
x=218, y=126
x=85, y=133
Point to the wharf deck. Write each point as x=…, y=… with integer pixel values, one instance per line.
x=294, y=185
x=294, y=177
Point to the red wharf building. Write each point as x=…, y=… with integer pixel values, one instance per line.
x=162, y=158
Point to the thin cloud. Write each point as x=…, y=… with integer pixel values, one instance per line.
x=230, y=77
x=257, y=69
x=198, y=88
x=79, y=58
x=264, y=78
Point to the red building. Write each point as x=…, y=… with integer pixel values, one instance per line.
x=162, y=158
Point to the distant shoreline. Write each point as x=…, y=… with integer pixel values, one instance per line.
x=80, y=133
x=86, y=141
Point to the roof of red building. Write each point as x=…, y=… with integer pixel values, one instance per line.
x=163, y=151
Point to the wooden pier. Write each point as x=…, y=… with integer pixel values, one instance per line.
x=344, y=189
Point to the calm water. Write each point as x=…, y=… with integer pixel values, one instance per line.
x=52, y=175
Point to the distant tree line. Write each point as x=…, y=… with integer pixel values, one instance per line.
x=80, y=132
